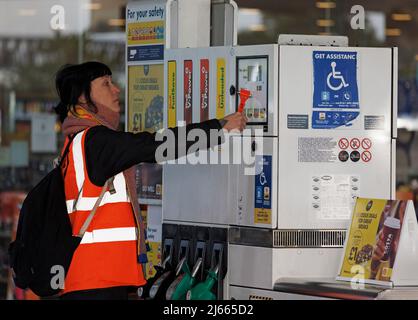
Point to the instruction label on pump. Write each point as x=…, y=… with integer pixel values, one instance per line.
x=204, y=89
x=333, y=196
x=317, y=149
x=263, y=190
x=335, y=87
x=172, y=93
x=188, y=91
x=220, y=88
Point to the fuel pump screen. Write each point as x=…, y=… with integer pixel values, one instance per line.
x=252, y=75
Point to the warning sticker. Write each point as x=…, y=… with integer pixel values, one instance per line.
x=318, y=149
x=343, y=156
x=343, y=143
x=355, y=143
x=355, y=156
x=366, y=143
x=366, y=156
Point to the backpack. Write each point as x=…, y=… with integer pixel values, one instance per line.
x=44, y=243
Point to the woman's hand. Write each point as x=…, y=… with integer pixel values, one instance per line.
x=235, y=121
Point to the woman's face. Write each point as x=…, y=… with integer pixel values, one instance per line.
x=104, y=93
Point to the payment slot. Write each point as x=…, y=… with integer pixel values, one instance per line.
x=183, y=283
x=161, y=271
x=160, y=286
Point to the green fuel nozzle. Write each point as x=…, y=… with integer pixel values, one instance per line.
x=203, y=290
x=186, y=282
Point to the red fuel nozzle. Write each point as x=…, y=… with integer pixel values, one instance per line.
x=244, y=94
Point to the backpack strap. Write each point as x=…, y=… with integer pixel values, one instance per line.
x=67, y=149
x=93, y=212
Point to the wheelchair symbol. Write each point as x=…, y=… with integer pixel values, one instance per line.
x=336, y=75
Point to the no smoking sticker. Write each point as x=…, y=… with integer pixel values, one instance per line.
x=343, y=143
x=366, y=143
x=355, y=143
x=366, y=156
x=343, y=156
x=355, y=156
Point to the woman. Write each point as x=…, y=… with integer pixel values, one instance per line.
x=108, y=260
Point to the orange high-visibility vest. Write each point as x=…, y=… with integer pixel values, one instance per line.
x=107, y=254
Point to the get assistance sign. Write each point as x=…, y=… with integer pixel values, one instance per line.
x=335, y=80
x=335, y=97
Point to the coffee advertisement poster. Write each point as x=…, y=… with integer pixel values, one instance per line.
x=373, y=239
x=145, y=98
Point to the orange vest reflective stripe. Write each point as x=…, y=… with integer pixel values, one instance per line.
x=107, y=254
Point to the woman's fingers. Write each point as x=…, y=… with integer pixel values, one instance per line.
x=235, y=121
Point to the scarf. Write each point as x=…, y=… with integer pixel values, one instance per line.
x=82, y=119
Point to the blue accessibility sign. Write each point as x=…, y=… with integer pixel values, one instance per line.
x=262, y=182
x=335, y=79
x=335, y=87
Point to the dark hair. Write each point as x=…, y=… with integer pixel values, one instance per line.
x=73, y=80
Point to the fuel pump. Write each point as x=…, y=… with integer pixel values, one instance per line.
x=144, y=291
x=160, y=286
x=183, y=283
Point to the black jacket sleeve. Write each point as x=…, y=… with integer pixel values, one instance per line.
x=109, y=152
